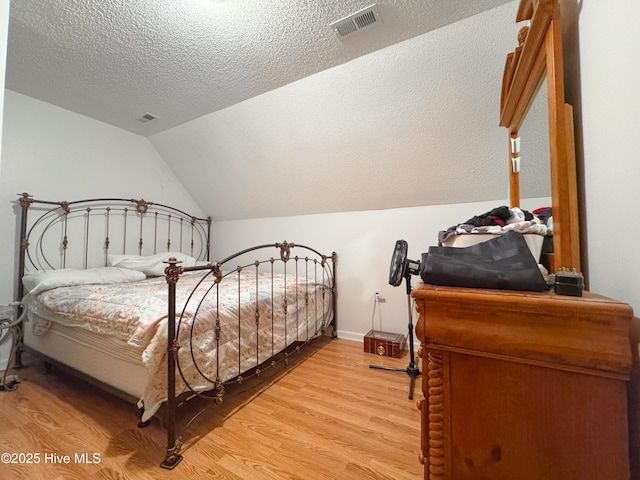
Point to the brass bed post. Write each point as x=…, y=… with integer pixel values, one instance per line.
x=172, y=457
x=25, y=202
x=208, y=239
x=334, y=295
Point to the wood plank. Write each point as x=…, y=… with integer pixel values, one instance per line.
x=588, y=333
x=330, y=416
x=551, y=440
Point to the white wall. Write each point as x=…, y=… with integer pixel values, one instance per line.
x=55, y=154
x=364, y=242
x=4, y=28
x=610, y=72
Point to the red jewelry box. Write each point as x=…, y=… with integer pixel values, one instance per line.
x=385, y=344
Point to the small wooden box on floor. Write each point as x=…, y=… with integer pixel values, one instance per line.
x=385, y=344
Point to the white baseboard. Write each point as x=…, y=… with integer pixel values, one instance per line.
x=353, y=336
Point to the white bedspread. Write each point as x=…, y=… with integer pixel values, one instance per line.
x=251, y=330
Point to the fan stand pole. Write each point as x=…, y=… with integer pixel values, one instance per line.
x=412, y=369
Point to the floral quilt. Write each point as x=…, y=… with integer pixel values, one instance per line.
x=223, y=330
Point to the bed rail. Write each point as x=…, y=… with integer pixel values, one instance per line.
x=308, y=280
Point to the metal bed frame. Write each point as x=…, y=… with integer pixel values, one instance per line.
x=124, y=227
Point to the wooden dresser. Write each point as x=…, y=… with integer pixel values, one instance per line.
x=521, y=385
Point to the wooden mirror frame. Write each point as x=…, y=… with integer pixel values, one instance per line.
x=539, y=52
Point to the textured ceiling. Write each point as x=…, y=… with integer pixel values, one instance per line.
x=115, y=60
x=413, y=124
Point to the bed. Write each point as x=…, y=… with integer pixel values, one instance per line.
x=124, y=292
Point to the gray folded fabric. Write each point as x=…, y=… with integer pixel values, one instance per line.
x=503, y=263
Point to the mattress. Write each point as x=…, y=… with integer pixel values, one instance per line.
x=102, y=357
x=110, y=331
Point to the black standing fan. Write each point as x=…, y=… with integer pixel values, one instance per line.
x=401, y=267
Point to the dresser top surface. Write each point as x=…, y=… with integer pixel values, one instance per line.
x=589, y=333
x=587, y=300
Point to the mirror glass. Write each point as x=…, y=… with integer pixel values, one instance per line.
x=535, y=172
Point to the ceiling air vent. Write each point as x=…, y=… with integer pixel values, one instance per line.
x=147, y=117
x=366, y=18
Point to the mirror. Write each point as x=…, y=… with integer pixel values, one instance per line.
x=535, y=175
x=538, y=59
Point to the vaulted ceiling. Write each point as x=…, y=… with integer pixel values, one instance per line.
x=264, y=111
x=117, y=60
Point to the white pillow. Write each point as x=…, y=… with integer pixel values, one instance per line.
x=40, y=281
x=151, y=265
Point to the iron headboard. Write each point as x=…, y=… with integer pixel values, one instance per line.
x=83, y=233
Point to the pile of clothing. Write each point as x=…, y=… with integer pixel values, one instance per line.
x=499, y=220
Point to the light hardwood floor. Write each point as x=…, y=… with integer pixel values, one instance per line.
x=330, y=417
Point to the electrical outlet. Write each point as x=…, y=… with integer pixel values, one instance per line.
x=378, y=296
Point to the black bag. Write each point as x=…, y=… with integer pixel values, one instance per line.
x=503, y=263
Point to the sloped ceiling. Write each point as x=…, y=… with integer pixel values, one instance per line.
x=264, y=112
x=413, y=124
x=115, y=60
